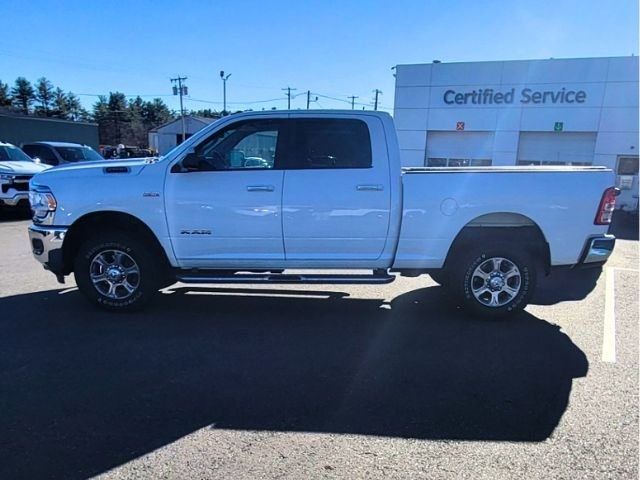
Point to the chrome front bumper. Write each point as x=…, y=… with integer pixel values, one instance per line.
x=46, y=246
x=14, y=200
x=598, y=250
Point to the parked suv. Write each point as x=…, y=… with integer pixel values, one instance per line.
x=57, y=153
x=16, y=169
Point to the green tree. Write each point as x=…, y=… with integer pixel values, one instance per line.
x=207, y=112
x=59, y=104
x=5, y=96
x=23, y=95
x=112, y=116
x=156, y=113
x=137, y=132
x=128, y=122
x=74, y=108
x=44, y=94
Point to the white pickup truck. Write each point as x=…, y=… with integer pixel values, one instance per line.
x=16, y=170
x=256, y=195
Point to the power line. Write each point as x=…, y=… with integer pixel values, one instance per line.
x=127, y=96
x=238, y=103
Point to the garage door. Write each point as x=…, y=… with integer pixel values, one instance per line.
x=556, y=148
x=459, y=149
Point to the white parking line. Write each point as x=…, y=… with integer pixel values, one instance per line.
x=609, y=335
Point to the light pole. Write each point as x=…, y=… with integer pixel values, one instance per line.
x=224, y=91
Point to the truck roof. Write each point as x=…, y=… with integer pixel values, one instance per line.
x=377, y=113
x=56, y=144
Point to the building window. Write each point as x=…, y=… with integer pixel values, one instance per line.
x=437, y=162
x=529, y=163
x=628, y=166
x=459, y=162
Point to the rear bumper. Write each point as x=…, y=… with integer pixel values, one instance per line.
x=46, y=246
x=597, y=250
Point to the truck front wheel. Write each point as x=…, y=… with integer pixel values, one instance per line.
x=116, y=272
x=494, y=281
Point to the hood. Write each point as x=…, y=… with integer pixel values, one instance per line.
x=22, y=168
x=131, y=166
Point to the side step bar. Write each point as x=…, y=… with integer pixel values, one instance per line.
x=203, y=277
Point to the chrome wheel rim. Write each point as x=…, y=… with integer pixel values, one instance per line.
x=114, y=274
x=496, y=282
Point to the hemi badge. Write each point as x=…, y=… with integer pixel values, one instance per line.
x=150, y=194
x=195, y=232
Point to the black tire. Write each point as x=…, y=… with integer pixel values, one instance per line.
x=465, y=279
x=145, y=285
x=441, y=277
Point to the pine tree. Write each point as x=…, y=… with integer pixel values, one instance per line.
x=74, y=108
x=44, y=94
x=5, y=96
x=23, y=95
x=59, y=104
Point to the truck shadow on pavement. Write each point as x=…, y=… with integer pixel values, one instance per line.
x=83, y=391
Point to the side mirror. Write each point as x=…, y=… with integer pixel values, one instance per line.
x=191, y=162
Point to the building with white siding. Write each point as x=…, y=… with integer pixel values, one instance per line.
x=165, y=137
x=581, y=111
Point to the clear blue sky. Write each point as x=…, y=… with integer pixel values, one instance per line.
x=336, y=48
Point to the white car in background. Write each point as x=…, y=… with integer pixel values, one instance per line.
x=16, y=170
x=60, y=153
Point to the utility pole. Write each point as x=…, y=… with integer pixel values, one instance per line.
x=180, y=90
x=224, y=91
x=353, y=101
x=288, y=90
x=375, y=103
x=309, y=99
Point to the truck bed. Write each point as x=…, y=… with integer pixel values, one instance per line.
x=505, y=169
x=436, y=207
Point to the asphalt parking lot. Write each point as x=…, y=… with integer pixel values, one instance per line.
x=331, y=382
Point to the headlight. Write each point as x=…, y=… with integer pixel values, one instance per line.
x=7, y=176
x=42, y=202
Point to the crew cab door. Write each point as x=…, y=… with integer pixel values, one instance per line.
x=336, y=199
x=226, y=212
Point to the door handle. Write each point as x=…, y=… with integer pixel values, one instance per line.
x=260, y=188
x=370, y=188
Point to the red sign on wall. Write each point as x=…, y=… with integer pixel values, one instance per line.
x=460, y=126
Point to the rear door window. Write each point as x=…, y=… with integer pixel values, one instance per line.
x=329, y=144
x=44, y=153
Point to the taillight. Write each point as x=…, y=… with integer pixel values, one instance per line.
x=607, y=205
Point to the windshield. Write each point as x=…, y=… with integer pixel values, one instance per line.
x=78, y=154
x=12, y=153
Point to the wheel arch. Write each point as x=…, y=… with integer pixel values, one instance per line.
x=107, y=220
x=505, y=226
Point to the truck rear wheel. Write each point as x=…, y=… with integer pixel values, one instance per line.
x=116, y=272
x=495, y=281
